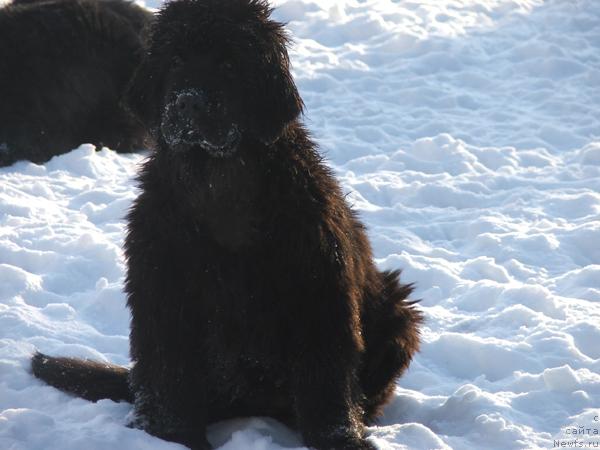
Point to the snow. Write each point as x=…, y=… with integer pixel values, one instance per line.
x=467, y=135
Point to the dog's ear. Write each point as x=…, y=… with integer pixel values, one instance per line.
x=280, y=102
x=143, y=95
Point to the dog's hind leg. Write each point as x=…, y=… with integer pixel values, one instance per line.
x=391, y=333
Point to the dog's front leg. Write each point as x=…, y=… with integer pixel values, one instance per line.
x=169, y=411
x=327, y=410
x=326, y=394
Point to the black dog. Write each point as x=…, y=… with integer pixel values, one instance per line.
x=250, y=281
x=64, y=65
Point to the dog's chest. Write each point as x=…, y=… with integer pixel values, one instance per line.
x=228, y=270
x=228, y=202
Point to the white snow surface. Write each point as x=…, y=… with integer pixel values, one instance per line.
x=467, y=134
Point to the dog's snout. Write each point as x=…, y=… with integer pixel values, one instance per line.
x=190, y=103
x=195, y=119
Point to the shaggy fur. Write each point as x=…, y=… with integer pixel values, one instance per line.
x=251, y=282
x=64, y=65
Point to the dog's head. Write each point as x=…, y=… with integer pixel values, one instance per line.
x=216, y=71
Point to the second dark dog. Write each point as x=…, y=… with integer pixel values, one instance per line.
x=64, y=65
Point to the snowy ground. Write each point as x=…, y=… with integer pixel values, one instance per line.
x=468, y=136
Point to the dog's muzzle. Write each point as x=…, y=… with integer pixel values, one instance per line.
x=191, y=121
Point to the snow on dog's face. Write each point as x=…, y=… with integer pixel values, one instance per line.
x=216, y=71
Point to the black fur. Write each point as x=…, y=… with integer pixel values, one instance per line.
x=64, y=65
x=251, y=282
x=86, y=375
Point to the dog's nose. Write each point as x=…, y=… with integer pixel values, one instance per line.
x=190, y=104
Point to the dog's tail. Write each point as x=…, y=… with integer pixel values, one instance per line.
x=84, y=378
